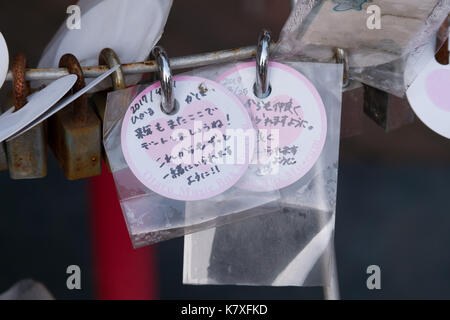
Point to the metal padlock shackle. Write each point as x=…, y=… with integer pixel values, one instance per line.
x=262, y=86
x=341, y=57
x=166, y=78
x=109, y=57
x=21, y=89
x=81, y=105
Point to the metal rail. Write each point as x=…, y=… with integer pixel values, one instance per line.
x=192, y=61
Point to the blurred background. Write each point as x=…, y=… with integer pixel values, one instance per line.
x=392, y=207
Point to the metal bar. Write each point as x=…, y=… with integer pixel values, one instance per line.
x=192, y=61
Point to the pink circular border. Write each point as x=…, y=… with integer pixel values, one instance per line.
x=133, y=167
x=316, y=95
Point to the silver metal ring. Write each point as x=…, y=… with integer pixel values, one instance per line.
x=341, y=57
x=262, y=64
x=166, y=78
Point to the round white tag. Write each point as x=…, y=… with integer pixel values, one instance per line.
x=187, y=155
x=291, y=124
x=429, y=96
x=4, y=60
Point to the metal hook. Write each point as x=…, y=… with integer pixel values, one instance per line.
x=262, y=87
x=341, y=57
x=166, y=78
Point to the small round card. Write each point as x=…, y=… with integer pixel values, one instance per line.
x=291, y=123
x=188, y=154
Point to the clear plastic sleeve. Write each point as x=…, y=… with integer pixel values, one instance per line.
x=377, y=57
x=293, y=246
x=151, y=217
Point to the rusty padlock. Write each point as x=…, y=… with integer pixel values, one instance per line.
x=75, y=131
x=27, y=154
x=108, y=57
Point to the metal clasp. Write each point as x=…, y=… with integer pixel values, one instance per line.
x=262, y=86
x=168, y=104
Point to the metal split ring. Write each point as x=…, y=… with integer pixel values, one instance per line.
x=81, y=104
x=109, y=57
x=20, y=86
x=341, y=57
x=166, y=78
x=262, y=87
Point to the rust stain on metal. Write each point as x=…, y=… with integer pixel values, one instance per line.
x=20, y=86
x=27, y=154
x=76, y=132
x=76, y=147
x=202, y=88
x=95, y=68
x=146, y=63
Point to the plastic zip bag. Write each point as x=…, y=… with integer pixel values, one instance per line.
x=292, y=247
x=377, y=57
x=151, y=217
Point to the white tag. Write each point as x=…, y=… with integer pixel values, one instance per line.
x=429, y=95
x=4, y=60
x=37, y=104
x=293, y=114
x=7, y=112
x=187, y=155
x=51, y=110
x=130, y=27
